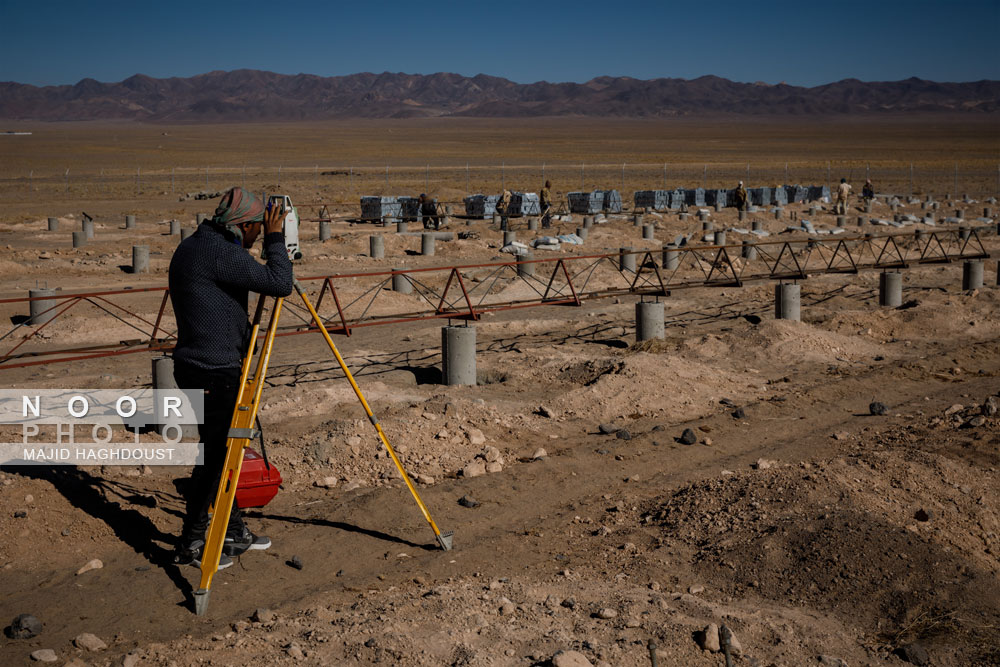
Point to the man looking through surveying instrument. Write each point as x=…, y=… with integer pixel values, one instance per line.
x=211, y=275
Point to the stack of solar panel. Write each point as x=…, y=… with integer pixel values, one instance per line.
x=819, y=192
x=760, y=196
x=676, y=198
x=527, y=203
x=656, y=200
x=695, y=197
x=482, y=206
x=612, y=201
x=780, y=196
x=586, y=202
x=796, y=194
x=379, y=208
x=409, y=208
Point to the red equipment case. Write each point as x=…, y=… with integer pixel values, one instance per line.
x=258, y=483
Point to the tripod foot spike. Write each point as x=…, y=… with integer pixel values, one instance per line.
x=201, y=601
x=444, y=539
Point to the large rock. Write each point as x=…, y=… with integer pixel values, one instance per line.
x=25, y=626
x=89, y=642
x=708, y=639
x=570, y=659
x=475, y=469
x=44, y=655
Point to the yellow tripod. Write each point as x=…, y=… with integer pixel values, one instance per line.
x=241, y=432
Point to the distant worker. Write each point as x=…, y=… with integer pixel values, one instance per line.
x=868, y=191
x=843, y=192
x=546, y=204
x=429, y=212
x=740, y=197
x=502, y=205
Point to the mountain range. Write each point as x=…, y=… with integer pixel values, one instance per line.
x=254, y=95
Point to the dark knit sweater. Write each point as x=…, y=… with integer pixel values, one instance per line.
x=210, y=277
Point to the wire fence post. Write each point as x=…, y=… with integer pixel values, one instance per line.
x=543, y=172
x=206, y=178
x=911, y=179
x=138, y=181
x=31, y=179
x=664, y=175
x=623, y=178
x=786, y=174
x=704, y=177
x=503, y=182
x=427, y=170
x=279, y=176
x=956, y=179
x=316, y=178
x=350, y=178
x=67, y=181
x=748, y=173
x=387, y=178
x=468, y=188
x=582, y=169
x=172, y=180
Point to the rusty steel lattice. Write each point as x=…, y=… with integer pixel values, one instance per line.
x=468, y=291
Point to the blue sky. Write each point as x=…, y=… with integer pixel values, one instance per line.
x=801, y=43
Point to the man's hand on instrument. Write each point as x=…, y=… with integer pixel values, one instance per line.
x=274, y=218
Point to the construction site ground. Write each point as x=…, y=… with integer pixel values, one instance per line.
x=813, y=529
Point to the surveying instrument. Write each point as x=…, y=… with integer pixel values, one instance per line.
x=242, y=432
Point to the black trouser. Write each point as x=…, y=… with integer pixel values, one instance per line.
x=221, y=388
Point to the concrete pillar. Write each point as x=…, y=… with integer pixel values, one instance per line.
x=919, y=236
x=129, y=222
x=959, y=214
x=582, y=232
x=325, y=230
x=53, y=224
x=626, y=259
x=861, y=221
x=987, y=212
x=526, y=270
x=702, y=215
x=175, y=227
x=186, y=232
x=749, y=250
x=814, y=211
x=449, y=209
x=972, y=274
x=509, y=237
x=401, y=226
x=718, y=207
x=199, y=218
x=890, y=289
x=929, y=216
x=140, y=259
x=532, y=224
x=648, y=231
x=458, y=355
x=893, y=207
x=496, y=218
x=998, y=273
x=37, y=308
x=588, y=221
x=427, y=244
x=401, y=283
x=636, y=219
x=786, y=301
x=671, y=257
x=648, y=321
x=841, y=220
x=376, y=246
x=742, y=215
x=88, y=228
x=868, y=207
x=778, y=212
x=682, y=217
x=923, y=206
x=706, y=225
x=79, y=239
x=163, y=378
x=964, y=233
x=720, y=237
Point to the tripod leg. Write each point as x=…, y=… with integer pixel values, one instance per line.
x=444, y=539
x=241, y=432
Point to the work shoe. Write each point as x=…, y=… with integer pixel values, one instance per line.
x=190, y=554
x=240, y=543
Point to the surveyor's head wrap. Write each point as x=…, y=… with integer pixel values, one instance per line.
x=237, y=206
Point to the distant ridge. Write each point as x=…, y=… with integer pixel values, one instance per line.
x=253, y=95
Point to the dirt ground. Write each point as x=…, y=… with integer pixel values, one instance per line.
x=811, y=528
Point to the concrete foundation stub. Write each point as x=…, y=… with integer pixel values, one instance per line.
x=861, y=221
x=964, y=233
x=890, y=289
x=702, y=215
x=532, y=224
x=79, y=239
x=648, y=321
x=582, y=232
x=720, y=237
x=742, y=215
x=682, y=217
x=175, y=227
x=749, y=250
x=972, y=274
x=163, y=378
x=756, y=225
x=778, y=213
x=140, y=259
x=88, y=228
x=637, y=219
x=707, y=225
x=401, y=282
x=526, y=270
x=841, y=220
x=186, y=232
x=626, y=259
x=199, y=218
x=671, y=257
x=588, y=220
x=427, y=244
x=509, y=237
x=458, y=355
x=376, y=246
x=786, y=301
x=325, y=230
x=648, y=231
x=401, y=226
x=37, y=308
x=53, y=224
x=129, y=222
x=718, y=207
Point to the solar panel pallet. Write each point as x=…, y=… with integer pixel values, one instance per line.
x=780, y=196
x=528, y=203
x=586, y=202
x=695, y=197
x=409, y=208
x=760, y=196
x=379, y=208
x=657, y=200
x=676, y=198
x=817, y=192
x=612, y=201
